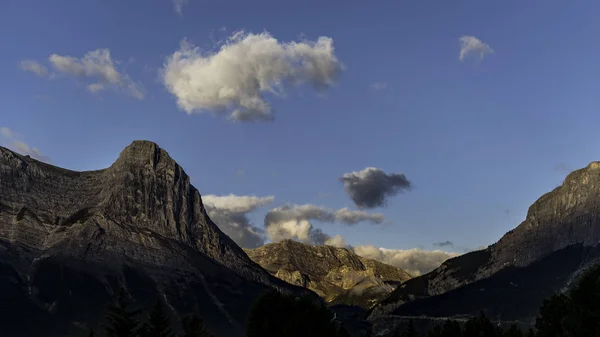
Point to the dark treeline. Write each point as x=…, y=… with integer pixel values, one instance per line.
x=274, y=315
x=124, y=320
x=572, y=314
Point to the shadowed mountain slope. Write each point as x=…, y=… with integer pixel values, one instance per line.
x=69, y=240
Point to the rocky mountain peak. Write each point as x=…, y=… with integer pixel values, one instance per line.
x=336, y=274
x=139, y=224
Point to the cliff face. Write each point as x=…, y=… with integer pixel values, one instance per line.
x=566, y=217
x=336, y=274
x=68, y=238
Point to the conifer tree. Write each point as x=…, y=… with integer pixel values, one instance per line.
x=121, y=320
x=158, y=324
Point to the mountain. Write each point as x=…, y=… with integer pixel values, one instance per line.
x=336, y=274
x=559, y=238
x=69, y=240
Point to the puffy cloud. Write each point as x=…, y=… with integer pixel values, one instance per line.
x=179, y=5
x=336, y=241
x=97, y=66
x=230, y=212
x=444, y=244
x=12, y=140
x=234, y=79
x=472, y=45
x=34, y=67
x=371, y=187
x=415, y=261
x=293, y=222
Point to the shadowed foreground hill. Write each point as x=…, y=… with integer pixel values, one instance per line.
x=559, y=238
x=69, y=240
x=336, y=274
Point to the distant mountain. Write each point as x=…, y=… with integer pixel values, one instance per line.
x=69, y=240
x=559, y=238
x=336, y=274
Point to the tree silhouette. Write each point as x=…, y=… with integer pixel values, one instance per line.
x=584, y=310
x=513, y=331
x=193, y=326
x=121, y=319
x=553, y=315
x=480, y=326
x=451, y=329
x=277, y=315
x=158, y=324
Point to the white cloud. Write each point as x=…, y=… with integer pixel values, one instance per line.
x=96, y=65
x=293, y=222
x=415, y=261
x=230, y=212
x=336, y=241
x=179, y=5
x=234, y=79
x=235, y=203
x=12, y=140
x=34, y=67
x=472, y=45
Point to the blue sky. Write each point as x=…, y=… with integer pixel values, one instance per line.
x=479, y=139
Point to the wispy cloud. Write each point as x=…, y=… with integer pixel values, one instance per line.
x=35, y=67
x=234, y=79
x=179, y=5
x=472, y=45
x=96, y=66
x=13, y=141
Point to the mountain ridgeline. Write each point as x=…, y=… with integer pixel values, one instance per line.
x=336, y=274
x=69, y=240
x=559, y=238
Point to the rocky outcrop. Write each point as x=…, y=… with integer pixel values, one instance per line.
x=336, y=274
x=563, y=218
x=68, y=238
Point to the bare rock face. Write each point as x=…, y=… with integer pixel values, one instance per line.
x=69, y=240
x=336, y=274
x=564, y=218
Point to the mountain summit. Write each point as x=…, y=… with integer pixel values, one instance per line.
x=336, y=274
x=68, y=238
